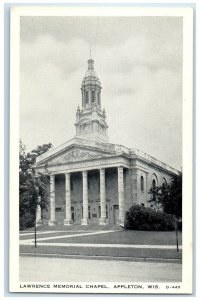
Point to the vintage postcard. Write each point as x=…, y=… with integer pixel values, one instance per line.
x=101, y=149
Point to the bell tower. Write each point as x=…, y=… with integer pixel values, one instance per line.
x=91, y=119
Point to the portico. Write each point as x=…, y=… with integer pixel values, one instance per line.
x=99, y=203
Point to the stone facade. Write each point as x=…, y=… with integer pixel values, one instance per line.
x=92, y=180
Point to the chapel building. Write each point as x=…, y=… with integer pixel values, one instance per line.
x=93, y=181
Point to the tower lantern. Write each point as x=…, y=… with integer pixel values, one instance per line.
x=91, y=121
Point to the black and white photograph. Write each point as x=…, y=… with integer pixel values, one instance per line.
x=101, y=116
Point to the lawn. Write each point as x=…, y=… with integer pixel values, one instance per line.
x=103, y=252
x=124, y=237
x=42, y=235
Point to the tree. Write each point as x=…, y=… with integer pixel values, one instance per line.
x=32, y=185
x=169, y=197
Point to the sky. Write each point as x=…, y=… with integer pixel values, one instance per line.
x=139, y=63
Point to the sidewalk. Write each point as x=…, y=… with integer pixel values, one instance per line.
x=71, y=270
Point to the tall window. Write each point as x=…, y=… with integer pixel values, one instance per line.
x=153, y=184
x=98, y=97
x=87, y=97
x=153, y=188
x=93, y=96
x=142, y=183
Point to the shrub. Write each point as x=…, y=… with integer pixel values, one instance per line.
x=144, y=218
x=27, y=220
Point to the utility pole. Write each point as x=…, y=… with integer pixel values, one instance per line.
x=176, y=231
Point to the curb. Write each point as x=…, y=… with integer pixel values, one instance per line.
x=119, y=258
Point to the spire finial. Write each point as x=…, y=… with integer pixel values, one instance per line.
x=90, y=52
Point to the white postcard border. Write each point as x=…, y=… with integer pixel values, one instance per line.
x=186, y=13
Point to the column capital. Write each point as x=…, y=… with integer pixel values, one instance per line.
x=120, y=168
x=102, y=170
x=84, y=173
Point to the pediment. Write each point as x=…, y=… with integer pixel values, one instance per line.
x=75, y=154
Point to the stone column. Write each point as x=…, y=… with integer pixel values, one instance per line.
x=135, y=186
x=102, y=220
x=52, y=220
x=121, y=195
x=38, y=213
x=84, y=221
x=68, y=219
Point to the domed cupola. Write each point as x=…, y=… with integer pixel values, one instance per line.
x=91, y=119
x=91, y=87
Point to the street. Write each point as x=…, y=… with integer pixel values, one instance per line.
x=48, y=269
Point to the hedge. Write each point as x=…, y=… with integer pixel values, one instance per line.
x=139, y=217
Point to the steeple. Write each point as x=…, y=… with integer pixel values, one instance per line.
x=91, y=87
x=91, y=120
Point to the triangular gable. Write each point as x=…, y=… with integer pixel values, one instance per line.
x=73, y=154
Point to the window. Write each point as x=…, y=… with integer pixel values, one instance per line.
x=142, y=183
x=89, y=214
x=153, y=188
x=88, y=184
x=71, y=185
x=98, y=97
x=58, y=209
x=93, y=96
x=87, y=97
x=153, y=184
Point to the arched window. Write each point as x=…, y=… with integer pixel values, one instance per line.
x=93, y=96
x=153, y=189
x=87, y=98
x=153, y=184
x=142, y=183
x=98, y=97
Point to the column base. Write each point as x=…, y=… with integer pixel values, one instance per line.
x=102, y=221
x=68, y=222
x=39, y=222
x=84, y=222
x=52, y=222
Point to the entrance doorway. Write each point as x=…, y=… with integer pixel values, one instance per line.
x=116, y=213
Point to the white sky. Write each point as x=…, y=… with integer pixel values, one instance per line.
x=139, y=63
